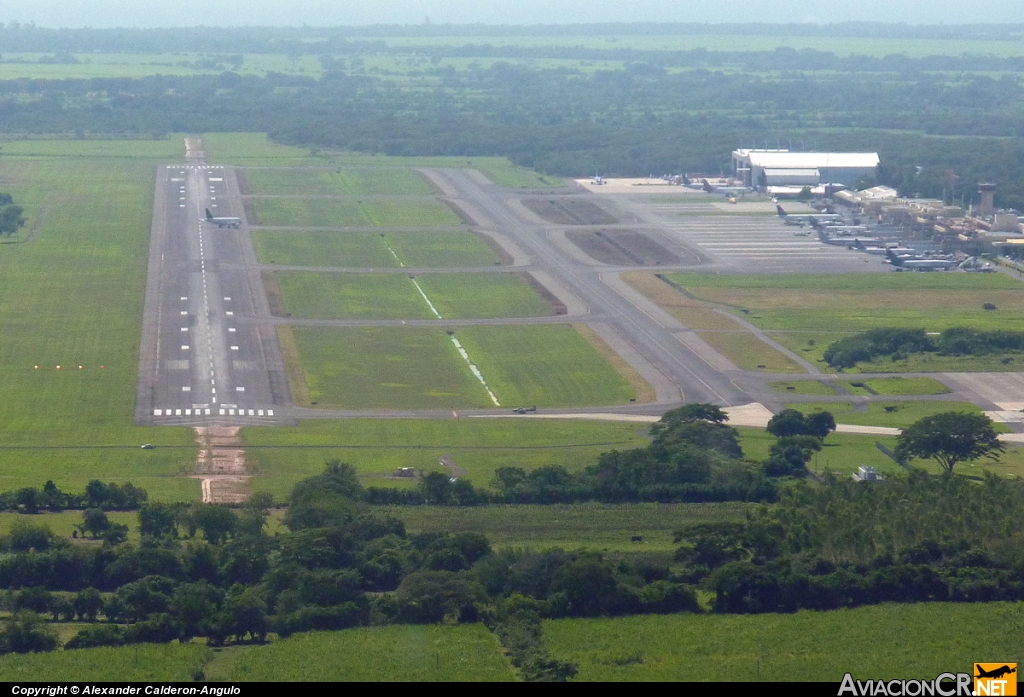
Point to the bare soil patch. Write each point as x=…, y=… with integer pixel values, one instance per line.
x=570, y=211
x=243, y=183
x=557, y=306
x=621, y=247
x=274, y=298
x=220, y=465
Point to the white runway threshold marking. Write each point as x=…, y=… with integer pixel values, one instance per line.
x=474, y=369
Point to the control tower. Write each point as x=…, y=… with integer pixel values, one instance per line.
x=987, y=205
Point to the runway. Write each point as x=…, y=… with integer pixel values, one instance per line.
x=201, y=363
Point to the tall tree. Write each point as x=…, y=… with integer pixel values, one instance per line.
x=949, y=438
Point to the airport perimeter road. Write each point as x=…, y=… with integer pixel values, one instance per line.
x=672, y=359
x=200, y=362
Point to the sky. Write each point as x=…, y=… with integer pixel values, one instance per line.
x=161, y=13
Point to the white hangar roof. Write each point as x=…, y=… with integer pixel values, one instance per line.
x=780, y=159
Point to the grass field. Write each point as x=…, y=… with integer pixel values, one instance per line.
x=377, y=447
x=350, y=181
x=883, y=641
x=455, y=248
x=895, y=414
x=875, y=386
x=814, y=387
x=378, y=654
x=590, y=526
x=544, y=365
x=140, y=662
x=376, y=212
x=72, y=296
x=394, y=296
x=419, y=368
x=386, y=368
x=842, y=453
x=748, y=352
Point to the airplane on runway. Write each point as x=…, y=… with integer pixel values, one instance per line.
x=598, y=179
x=919, y=263
x=222, y=222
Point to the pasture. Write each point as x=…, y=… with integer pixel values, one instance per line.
x=888, y=641
x=370, y=212
x=368, y=250
x=139, y=662
x=584, y=526
x=395, y=296
x=72, y=296
x=377, y=447
x=379, y=654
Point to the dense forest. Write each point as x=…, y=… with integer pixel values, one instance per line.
x=939, y=122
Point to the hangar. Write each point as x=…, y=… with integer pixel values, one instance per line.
x=764, y=169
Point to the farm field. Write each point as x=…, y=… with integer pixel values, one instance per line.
x=379, y=654
x=883, y=641
x=584, y=526
x=453, y=248
x=339, y=182
x=140, y=662
x=378, y=447
x=420, y=368
x=394, y=296
x=72, y=296
x=376, y=212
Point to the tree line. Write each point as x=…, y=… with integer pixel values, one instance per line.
x=898, y=344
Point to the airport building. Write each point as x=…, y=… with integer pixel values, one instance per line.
x=782, y=169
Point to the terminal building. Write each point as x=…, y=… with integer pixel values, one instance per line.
x=778, y=171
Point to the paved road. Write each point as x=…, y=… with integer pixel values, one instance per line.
x=200, y=362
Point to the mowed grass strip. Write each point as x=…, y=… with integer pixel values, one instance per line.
x=375, y=212
x=590, y=526
x=314, y=295
x=436, y=653
x=378, y=447
x=386, y=368
x=455, y=248
x=890, y=641
x=136, y=663
x=348, y=181
x=543, y=365
x=894, y=414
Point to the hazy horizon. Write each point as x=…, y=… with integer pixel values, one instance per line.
x=320, y=13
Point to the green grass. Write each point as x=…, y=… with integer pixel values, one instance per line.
x=351, y=296
x=815, y=387
x=543, y=365
x=377, y=654
x=884, y=641
x=377, y=447
x=311, y=182
x=140, y=662
x=901, y=386
x=747, y=352
x=63, y=524
x=470, y=296
x=370, y=212
x=903, y=414
x=394, y=296
x=73, y=296
x=842, y=453
x=856, y=302
x=455, y=248
x=504, y=173
x=420, y=368
x=590, y=526
x=386, y=368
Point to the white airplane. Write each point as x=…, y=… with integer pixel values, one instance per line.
x=812, y=218
x=222, y=222
x=919, y=263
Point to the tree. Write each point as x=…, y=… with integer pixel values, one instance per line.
x=790, y=422
x=88, y=604
x=94, y=522
x=26, y=632
x=158, y=519
x=949, y=438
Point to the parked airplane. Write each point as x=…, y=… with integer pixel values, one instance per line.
x=919, y=263
x=222, y=222
x=813, y=218
x=977, y=264
x=725, y=190
x=598, y=179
